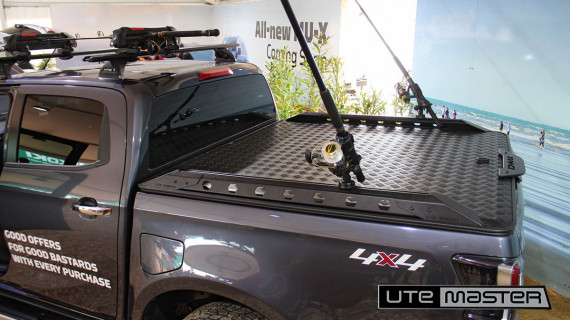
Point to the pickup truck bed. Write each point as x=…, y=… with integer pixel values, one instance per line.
x=448, y=178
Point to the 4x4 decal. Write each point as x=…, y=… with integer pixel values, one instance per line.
x=384, y=259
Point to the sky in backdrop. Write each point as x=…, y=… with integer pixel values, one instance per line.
x=509, y=57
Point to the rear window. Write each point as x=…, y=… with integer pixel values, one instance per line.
x=190, y=119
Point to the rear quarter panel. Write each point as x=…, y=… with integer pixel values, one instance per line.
x=294, y=265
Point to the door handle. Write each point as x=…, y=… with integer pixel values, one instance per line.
x=89, y=206
x=92, y=211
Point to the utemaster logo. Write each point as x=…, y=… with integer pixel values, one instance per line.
x=464, y=297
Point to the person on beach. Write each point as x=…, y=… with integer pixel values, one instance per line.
x=447, y=113
x=509, y=129
x=501, y=126
x=541, y=139
x=443, y=113
x=454, y=114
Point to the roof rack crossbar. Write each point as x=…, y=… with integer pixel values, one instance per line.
x=220, y=50
x=115, y=66
x=7, y=61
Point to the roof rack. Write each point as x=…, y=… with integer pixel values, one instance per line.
x=130, y=44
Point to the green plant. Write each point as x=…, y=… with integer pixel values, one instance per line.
x=400, y=106
x=285, y=85
x=296, y=91
x=331, y=70
x=371, y=103
x=336, y=85
x=46, y=64
x=313, y=96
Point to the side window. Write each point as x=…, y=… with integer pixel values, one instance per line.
x=59, y=130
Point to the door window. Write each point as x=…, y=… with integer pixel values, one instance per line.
x=58, y=130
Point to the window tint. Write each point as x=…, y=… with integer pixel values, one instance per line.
x=186, y=120
x=59, y=130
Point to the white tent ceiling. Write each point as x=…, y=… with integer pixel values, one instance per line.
x=7, y=4
x=20, y=3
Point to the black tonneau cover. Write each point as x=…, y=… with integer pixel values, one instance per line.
x=446, y=177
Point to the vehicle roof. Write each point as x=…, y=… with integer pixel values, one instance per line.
x=183, y=72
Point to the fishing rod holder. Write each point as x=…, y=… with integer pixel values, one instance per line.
x=20, y=44
x=129, y=45
x=345, y=140
x=340, y=157
x=423, y=103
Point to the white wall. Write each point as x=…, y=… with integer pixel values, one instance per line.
x=259, y=23
x=28, y=15
x=232, y=20
x=87, y=20
x=352, y=37
x=362, y=49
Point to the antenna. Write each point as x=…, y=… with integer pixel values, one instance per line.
x=423, y=103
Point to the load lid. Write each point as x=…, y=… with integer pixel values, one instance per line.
x=407, y=160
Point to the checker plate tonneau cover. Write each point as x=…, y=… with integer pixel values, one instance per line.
x=399, y=160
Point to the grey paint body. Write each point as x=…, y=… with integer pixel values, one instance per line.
x=293, y=263
x=284, y=263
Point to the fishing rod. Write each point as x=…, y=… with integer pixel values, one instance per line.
x=423, y=103
x=339, y=155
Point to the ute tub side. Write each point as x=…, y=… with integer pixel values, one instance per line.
x=295, y=264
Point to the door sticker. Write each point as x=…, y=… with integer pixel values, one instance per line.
x=46, y=255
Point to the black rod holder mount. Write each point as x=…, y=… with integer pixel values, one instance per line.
x=423, y=103
x=343, y=137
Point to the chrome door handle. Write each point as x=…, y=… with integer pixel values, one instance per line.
x=92, y=211
x=89, y=206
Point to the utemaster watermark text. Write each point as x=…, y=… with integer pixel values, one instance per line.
x=464, y=297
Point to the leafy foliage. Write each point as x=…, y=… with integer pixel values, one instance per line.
x=400, y=106
x=331, y=69
x=285, y=84
x=296, y=91
x=371, y=103
x=337, y=87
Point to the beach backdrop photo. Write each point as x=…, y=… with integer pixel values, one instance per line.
x=503, y=65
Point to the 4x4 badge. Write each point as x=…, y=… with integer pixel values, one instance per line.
x=384, y=259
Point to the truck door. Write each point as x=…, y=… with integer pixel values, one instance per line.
x=60, y=195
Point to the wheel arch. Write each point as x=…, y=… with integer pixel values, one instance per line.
x=167, y=293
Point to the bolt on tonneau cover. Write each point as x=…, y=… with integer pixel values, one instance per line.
x=445, y=177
